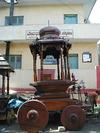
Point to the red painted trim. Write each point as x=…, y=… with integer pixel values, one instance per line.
x=98, y=101
x=32, y=90
x=46, y=71
x=98, y=76
x=21, y=90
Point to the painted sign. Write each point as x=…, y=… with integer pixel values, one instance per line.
x=31, y=34
x=50, y=60
x=65, y=33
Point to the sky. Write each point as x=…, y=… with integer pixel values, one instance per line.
x=95, y=14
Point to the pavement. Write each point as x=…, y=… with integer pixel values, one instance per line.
x=91, y=126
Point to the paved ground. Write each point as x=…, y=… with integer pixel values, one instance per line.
x=91, y=126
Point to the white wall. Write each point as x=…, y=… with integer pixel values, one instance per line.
x=85, y=47
x=41, y=14
x=87, y=75
x=38, y=16
x=86, y=71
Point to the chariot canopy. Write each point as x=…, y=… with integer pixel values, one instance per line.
x=50, y=43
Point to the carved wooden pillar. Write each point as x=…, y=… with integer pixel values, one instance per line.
x=41, y=57
x=65, y=66
x=8, y=83
x=3, y=84
x=62, y=72
x=34, y=66
x=68, y=68
x=58, y=68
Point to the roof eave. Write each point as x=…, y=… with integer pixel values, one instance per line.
x=88, y=7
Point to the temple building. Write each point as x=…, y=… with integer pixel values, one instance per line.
x=20, y=23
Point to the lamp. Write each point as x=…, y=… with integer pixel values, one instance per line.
x=12, y=3
x=9, y=1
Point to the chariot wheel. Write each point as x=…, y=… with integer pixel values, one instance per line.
x=73, y=117
x=32, y=116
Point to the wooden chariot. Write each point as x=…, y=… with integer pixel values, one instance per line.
x=51, y=95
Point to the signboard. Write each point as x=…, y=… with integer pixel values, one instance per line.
x=86, y=57
x=32, y=34
x=65, y=33
x=50, y=60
